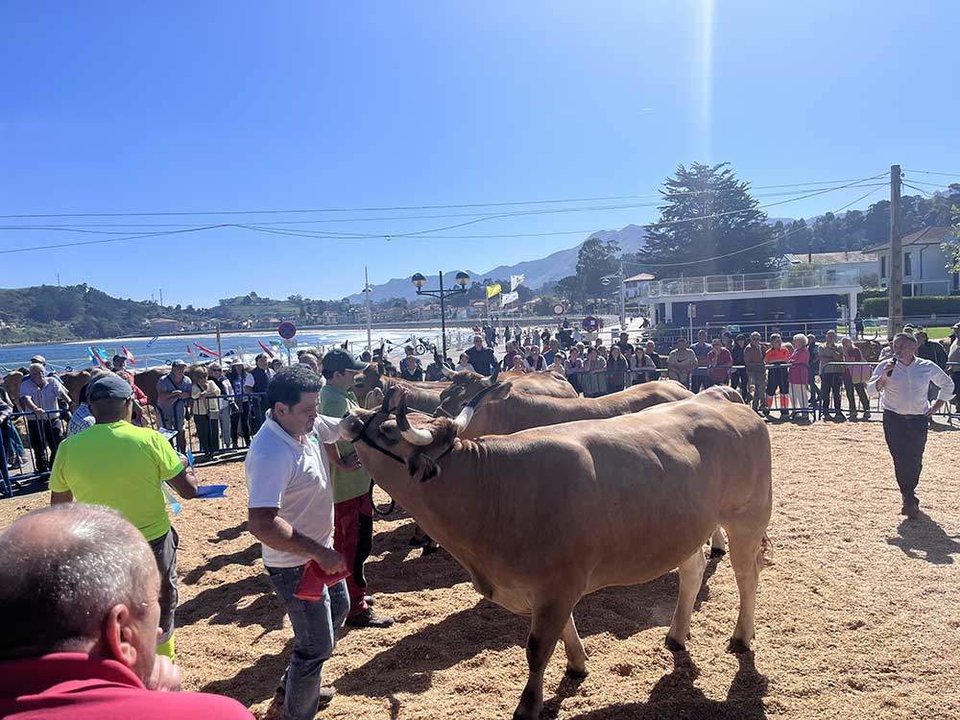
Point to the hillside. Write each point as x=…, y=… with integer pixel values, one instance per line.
x=51, y=314
x=70, y=313
x=537, y=273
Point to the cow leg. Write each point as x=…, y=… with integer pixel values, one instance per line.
x=718, y=544
x=573, y=647
x=746, y=557
x=691, y=578
x=545, y=630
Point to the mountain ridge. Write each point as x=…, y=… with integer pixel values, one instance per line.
x=537, y=272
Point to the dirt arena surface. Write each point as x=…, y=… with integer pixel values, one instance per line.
x=858, y=617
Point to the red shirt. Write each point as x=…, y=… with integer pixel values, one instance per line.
x=74, y=686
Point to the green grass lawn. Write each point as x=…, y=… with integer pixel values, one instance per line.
x=934, y=333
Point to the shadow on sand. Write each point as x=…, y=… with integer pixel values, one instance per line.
x=924, y=539
x=676, y=696
x=408, y=666
x=250, y=601
x=255, y=683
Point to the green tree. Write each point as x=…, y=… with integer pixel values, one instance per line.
x=709, y=224
x=951, y=248
x=595, y=259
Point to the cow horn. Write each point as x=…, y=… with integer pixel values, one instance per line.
x=387, y=394
x=447, y=372
x=493, y=375
x=463, y=419
x=413, y=435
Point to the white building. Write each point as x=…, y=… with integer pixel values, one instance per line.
x=862, y=264
x=924, y=264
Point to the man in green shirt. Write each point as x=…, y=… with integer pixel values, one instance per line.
x=352, y=489
x=124, y=467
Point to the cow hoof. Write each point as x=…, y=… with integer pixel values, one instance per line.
x=575, y=673
x=674, y=646
x=736, y=646
x=717, y=553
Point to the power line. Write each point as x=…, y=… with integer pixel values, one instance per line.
x=926, y=193
x=109, y=240
x=939, y=186
x=430, y=232
x=424, y=234
x=931, y=172
x=81, y=227
x=180, y=213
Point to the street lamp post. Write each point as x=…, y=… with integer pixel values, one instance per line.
x=462, y=280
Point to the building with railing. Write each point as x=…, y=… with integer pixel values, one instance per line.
x=792, y=297
x=924, y=263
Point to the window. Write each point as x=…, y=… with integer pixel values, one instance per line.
x=907, y=265
x=883, y=267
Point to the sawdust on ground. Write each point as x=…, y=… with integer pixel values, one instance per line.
x=858, y=616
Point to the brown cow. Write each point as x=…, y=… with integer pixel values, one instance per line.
x=147, y=380
x=423, y=395
x=11, y=383
x=75, y=382
x=502, y=409
x=467, y=385
x=543, y=517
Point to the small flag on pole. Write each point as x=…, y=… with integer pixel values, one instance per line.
x=266, y=349
x=516, y=281
x=128, y=355
x=206, y=351
x=493, y=290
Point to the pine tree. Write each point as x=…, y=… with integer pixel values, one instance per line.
x=708, y=213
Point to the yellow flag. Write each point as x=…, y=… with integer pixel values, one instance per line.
x=493, y=290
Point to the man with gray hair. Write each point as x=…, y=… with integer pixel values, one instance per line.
x=79, y=589
x=42, y=395
x=902, y=381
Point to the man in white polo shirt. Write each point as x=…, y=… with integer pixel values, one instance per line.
x=290, y=510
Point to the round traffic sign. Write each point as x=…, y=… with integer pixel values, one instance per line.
x=287, y=330
x=558, y=309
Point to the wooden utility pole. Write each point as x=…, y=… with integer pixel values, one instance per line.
x=895, y=288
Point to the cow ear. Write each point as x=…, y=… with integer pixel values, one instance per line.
x=422, y=467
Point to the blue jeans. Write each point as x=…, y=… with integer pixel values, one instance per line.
x=314, y=625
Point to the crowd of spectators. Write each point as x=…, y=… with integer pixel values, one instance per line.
x=791, y=378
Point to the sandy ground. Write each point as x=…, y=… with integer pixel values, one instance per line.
x=859, y=615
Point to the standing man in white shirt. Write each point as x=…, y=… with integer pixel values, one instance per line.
x=42, y=395
x=290, y=510
x=903, y=382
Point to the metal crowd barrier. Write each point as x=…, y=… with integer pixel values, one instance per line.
x=597, y=383
x=213, y=426
x=30, y=443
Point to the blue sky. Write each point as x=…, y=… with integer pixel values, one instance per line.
x=197, y=106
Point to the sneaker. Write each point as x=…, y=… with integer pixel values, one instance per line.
x=911, y=508
x=366, y=618
x=866, y=414
x=275, y=711
x=841, y=417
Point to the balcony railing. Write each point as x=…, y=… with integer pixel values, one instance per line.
x=755, y=282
